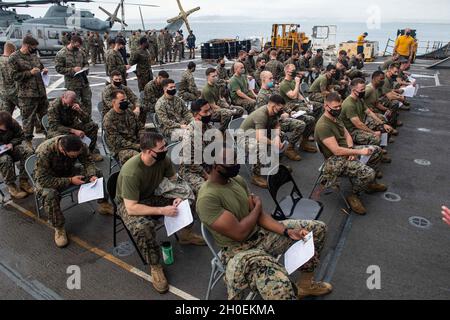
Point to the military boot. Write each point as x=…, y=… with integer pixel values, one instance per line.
x=61, y=239
x=187, y=236
x=292, y=154
x=376, y=187
x=308, y=287
x=15, y=192
x=105, y=208
x=159, y=279
x=307, y=147
x=386, y=159
x=259, y=181
x=356, y=204
x=25, y=186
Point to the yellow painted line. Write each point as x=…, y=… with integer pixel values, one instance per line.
x=99, y=252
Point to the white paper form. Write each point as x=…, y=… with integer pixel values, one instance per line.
x=365, y=159
x=252, y=84
x=409, y=91
x=384, y=140
x=81, y=71
x=181, y=220
x=299, y=253
x=45, y=79
x=3, y=149
x=298, y=114
x=91, y=191
x=132, y=68
x=86, y=140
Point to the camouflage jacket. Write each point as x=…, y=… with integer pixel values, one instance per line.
x=92, y=42
x=107, y=54
x=134, y=43
x=172, y=113
x=62, y=118
x=179, y=41
x=193, y=141
x=65, y=61
x=53, y=169
x=29, y=86
x=152, y=92
x=303, y=64
x=222, y=73
x=100, y=44
x=263, y=96
x=187, y=83
x=277, y=69
x=168, y=40
x=142, y=58
x=114, y=61
x=317, y=62
x=14, y=135
x=8, y=86
x=107, y=97
x=160, y=40
x=121, y=131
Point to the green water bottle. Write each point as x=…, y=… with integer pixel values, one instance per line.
x=167, y=252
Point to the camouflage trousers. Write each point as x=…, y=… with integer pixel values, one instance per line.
x=84, y=95
x=162, y=53
x=32, y=110
x=177, y=53
x=361, y=137
x=295, y=127
x=90, y=129
x=143, y=79
x=8, y=103
x=93, y=54
x=19, y=154
x=237, y=110
x=316, y=111
x=253, y=264
x=373, y=125
x=101, y=55
x=360, y=175
x=51, y=199
x=253, y=155
x=125, y=155
x=248, y=105
x=168, y=53
x=194, y=179
x=316, y=97
x=189, y=96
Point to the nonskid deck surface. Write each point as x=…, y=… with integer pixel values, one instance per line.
x=413, y=262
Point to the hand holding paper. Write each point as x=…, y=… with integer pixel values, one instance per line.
x=91, y=191
x=181, y=220
x=299, y=253
x=132, y=68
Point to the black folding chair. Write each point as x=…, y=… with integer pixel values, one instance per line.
x=113, y=162
x=293, y=206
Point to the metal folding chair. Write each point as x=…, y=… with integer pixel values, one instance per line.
x=44, y=122
x=113, y=162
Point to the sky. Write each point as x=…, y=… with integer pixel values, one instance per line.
x=327, y=11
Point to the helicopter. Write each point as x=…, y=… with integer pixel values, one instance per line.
x=8, y=17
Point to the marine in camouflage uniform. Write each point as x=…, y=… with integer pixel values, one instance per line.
x=277, y=69
x=100, y=48
x=52, y=175
x=8, y=87
x=144, y=72
x=161, y=47
x=319, y=87
x=107, y=98
x=134, y=43
x=122, y=134
x=241, y=82
x=172, y=113
x=153, y=49
x=19, y=153
x=62, y=118
x=93, y=48
x=32, y=95
x=168, y=42
x=178, y=47
x=86, y=44
x=188, y=88
x=65, y=62
x=152, y=92
x=115, y=61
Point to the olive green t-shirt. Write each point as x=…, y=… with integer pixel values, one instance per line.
x=138, y=182
x=285, y=87
x=388, y=85
x=352, y=108
x=319, y=85
x=211, y=93
x=259, y=119
x=238, y=83
x=326, y=128
x=372, y=96
x=214, y=199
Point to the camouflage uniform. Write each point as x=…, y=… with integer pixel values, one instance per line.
x=172, y=113
x=20, y=152
x=317, y=62
x=222, y=77
x=277, y=69
x=362, y=137
x=168, y=40
x=315, y=91
x=134, y=44
x=178, y=47
x=62, y=118
x=93, y=48
x=8, y=87
x=153, y=49
x=144, y=72
x=161, y=47
x=31, y=90
x=52, y=175
x=115, y=62
x=107, y=97
x=152, y=92
x=86, y=45
x=108, y=53
x=263, y=96
x=249, y=106
x=188, y=88
x=193, y=173
x=100, y=49
x=253, y=263
x=122, y=134
x=65, y=61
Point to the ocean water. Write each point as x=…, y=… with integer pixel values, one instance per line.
x=210, y=29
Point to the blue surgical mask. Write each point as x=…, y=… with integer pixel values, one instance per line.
x=270, y=85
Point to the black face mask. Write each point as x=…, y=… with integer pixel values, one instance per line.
x=381, y=84
x=206, y=119
x=222, y=65
x=230, y=172
x=123, y=105
x=362, y=95
x=160, y=156
x=172, y=92
x=394, y=77
x=117, y=84
x=75, y=49
x=335, y=113
x=408, y=33
x=32, y=50
x=262, y=67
